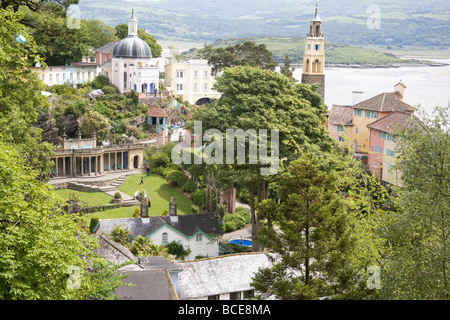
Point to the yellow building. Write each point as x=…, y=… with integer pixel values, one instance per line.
x=192, y=80
x=314, y=56
x=365, y=112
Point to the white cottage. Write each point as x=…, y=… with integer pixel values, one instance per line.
x=198, y=232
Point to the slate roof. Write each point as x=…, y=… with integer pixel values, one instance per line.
x=219, y=275
x=384, y=102
x=395, y=121
x=114, y=251
x=135, y=225
x=148, y=285
x=107, y=48
x=340, y=115
x=189, y=224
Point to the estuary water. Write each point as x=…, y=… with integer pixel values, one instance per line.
x=426, y=86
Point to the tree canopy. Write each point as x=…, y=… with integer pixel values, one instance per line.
x=242, y=54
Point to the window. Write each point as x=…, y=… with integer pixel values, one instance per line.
x=358, y=112
x=249, y=294
x=375, y=115
x=235, y=296
x=374, y=164
x=380, y=150
x=195, y=74
x=195, y=86
x=340, y=128
x=164, y=239
x=214, y=297
x=180, y=86
x=50, y=76
x=317, y=47
x=206, y=74
x=205, y=87
x=341, y=139
x=199, y=237
x=180, y=74
x=356, y=129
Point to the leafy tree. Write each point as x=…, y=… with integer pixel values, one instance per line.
x=242, y=54
x=20, y=98
x=93, y=121
x=120, y=235
x=315, y=241
x=418, y=267
x=43, y=249
x=98, y=33
x=286, y=67
x=122, y=32
x=262, y=99
x=57, y=43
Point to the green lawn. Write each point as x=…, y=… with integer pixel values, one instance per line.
x=155, y=186
x=91, y=198
x=159, y=191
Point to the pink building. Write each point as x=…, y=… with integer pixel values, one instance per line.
x=383, y=144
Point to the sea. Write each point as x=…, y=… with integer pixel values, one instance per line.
x=427, y=86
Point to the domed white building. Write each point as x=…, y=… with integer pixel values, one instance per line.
x=132, y=66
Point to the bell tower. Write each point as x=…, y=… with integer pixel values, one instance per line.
x=314, y=57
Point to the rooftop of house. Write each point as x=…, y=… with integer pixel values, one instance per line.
x=219, y=275
x=156, y=111
x=186, y=224
x=340, y=115
x=114, y=251
x=107, y=48
x=385, y=102
x=149, y=275
x=147, y=285
x=395, y=121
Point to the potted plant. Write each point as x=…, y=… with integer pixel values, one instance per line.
x=117, y=198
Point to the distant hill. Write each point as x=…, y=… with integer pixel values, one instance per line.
x=403, y=22
x=335, y=54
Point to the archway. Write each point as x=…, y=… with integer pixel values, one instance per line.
x=202, y=101
x=316, y=66
x=144, y=88
x=307, y=65
x=135, y=162
x=152, y=88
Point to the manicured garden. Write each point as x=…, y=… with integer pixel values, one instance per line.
x=159, y=191
x=155, y=186
x=90, y=198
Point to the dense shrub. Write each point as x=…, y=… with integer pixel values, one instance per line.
x=109, y=90
x=158, y=159
x=235, y=221
x=199, y=197
x=93, y=224
x=176, y=248
x=176, y=178
x=189, y=186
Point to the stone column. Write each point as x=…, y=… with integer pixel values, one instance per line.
x=82, y=165
x=64, y=166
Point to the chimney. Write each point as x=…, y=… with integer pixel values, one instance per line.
x=173, y=210
x=357, y=97
x=400, y=89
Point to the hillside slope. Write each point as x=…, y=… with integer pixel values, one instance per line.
x=402, y=22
